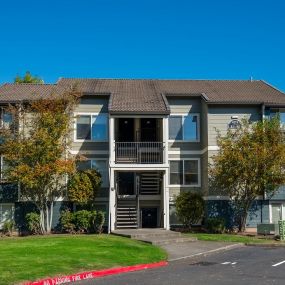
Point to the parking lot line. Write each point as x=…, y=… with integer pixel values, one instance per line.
x=279, y=263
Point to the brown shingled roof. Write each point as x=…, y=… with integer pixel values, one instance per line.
x=147, y=95
x=10, y=92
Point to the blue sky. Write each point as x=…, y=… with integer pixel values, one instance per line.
x=219, y=39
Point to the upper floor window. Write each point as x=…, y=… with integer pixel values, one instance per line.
x=6, y=119
x=184, y=127
x=185, y=172
x=98, y=164
x=92, y=127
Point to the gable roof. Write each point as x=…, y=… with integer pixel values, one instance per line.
x=150, y=95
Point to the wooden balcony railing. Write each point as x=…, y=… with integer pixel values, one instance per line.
x=139, y=152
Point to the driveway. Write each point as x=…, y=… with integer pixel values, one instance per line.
x=243, y=265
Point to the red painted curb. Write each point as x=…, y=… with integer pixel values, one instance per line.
x=95, y=274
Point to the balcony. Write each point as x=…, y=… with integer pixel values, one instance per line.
x=139, y=152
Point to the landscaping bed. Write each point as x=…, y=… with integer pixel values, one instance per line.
x=31, y=258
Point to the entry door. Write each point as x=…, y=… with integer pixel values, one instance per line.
x=276, y=213
x=126, y=130
x=148, y=130
x=149, y=217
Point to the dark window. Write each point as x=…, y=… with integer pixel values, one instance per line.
x=83, y=127
x=176, y=172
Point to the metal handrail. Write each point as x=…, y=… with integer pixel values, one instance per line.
x=139, y=152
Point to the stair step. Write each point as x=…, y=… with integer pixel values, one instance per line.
x=168, y=240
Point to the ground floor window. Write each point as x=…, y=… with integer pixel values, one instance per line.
x=277, y=212
x=6, y=213
x=185, y=172
x=100, y=165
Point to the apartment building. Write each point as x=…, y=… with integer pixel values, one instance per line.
x=150, y=140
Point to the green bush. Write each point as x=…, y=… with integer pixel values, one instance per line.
x=33, y=223
x=216, y=225
x=82, y=220
x=8, y=227
x=189, y=208
x=67, y=222
x=99, y=222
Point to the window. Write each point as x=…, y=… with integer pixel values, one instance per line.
x=184, y=127
x=185, y=172
x=6, y=119
x=92, y=127
x=99, y=164
x=6, y=213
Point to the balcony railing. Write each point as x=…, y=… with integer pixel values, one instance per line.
x=139, y=152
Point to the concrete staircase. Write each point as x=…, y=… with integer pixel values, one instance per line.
x=155, y=236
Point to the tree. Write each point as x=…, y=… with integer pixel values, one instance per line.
x=189, y=208
x=37, y=153
x=249, y=164
x=28, y=78
x=83, y=186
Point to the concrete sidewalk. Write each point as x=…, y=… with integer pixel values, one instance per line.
x=178, y=251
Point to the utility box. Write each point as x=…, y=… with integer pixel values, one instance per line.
x=281, y=225
x=267, y=229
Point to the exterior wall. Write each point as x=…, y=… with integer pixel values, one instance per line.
x=91, y=104
x=220, y=116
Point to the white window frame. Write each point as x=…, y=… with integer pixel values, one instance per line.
x=107, y=170
x=186, y=185
x=282, y=210
x=183, y=115
x=90, y=114
x=13, y=212
x=2, y=177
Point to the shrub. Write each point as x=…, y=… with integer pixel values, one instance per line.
x=99, y=222
x=82, y=220
x=8, y=227
x=33, y=223
x=216, y=225
x=67, y=221
x=189, y=208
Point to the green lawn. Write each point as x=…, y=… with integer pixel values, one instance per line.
x=230, y=238
x=31, y=258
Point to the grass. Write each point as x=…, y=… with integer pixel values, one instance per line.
x=32, y=258
x=230, y=238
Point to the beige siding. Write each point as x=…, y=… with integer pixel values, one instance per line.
x=220, y=116
x=93, y=104
x=184, y=105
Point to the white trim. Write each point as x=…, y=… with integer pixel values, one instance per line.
x=139, y=167
x=186, y=185
x=184, y=152
x=90, y=114
x=213, y=147
x=183, y=115
x=89, y=152
x=216, y=198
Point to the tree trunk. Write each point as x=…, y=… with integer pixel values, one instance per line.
x=46, y=216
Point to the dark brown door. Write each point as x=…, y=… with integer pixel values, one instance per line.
x=149, y=217
x=126, y=130
x=148, y=130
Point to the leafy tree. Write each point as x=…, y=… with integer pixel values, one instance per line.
x=189, y=208
x=250, y=163
x=37, y=154
x=28, y=78
x=83, y=186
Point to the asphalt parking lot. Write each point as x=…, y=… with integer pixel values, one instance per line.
x=244, y=265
